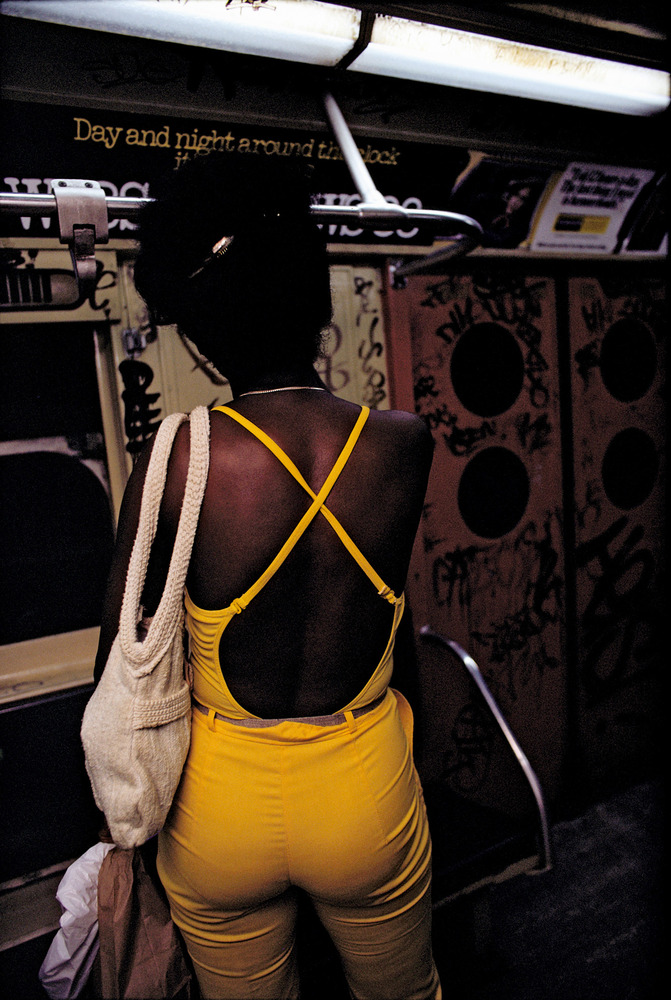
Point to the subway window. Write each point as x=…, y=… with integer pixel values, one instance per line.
x=56, y=525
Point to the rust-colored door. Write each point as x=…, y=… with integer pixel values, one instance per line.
x=488, y=566
x=617, y=385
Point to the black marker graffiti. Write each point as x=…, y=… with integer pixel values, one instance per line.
x=139, y=417
x=424, y=386
x=336, y=378
x=374, y=391
x=363, y=289
x=460, y=441
x=510, y=639
x=123, y=68
x=533, y=435
x=464, y=440
x=587, y=358
x=508, y=299
x=648, y=307
x=428, y=540
x=241, y=3
x=453, y=577
x=468, y=763
x=478, y=575
x=440, y=293
x=104, y=280
x=460, y=320
x=620, y=618
x=516, y=302
x=535, y=367
x=593, y=501
x=439, y=416
x=593, y=315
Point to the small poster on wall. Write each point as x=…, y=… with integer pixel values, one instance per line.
x=502, y=196
x=590, y=208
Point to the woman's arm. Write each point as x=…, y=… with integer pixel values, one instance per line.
x=129, y=517
x=159, y=561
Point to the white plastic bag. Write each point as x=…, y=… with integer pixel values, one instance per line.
x=68, y=962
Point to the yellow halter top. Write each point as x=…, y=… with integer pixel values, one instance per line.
x=206, y=627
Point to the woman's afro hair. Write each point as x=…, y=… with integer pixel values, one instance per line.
x=273, y=276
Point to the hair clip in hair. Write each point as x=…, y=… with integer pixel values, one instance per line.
x=218, y=250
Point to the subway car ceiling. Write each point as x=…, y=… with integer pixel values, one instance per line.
x=58, y=64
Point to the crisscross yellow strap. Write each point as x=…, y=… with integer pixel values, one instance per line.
x=318, y=505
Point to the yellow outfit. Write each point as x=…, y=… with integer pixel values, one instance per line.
x=331, y=805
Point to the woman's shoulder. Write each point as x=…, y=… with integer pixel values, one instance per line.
x=178, y=467
x=405, y=429
x=406, y=422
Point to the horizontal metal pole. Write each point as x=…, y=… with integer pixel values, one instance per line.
x=366, y=215
x=45, y=204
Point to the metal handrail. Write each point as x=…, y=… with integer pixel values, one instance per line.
x=363, y=213
x=473, y=669
x=45, y=204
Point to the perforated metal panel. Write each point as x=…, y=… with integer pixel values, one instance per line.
x=491, y=572
x=618, y=371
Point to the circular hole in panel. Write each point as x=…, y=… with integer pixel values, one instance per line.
x=487, y=369
x=629, y=468
x=493, y=492
x=628, y=359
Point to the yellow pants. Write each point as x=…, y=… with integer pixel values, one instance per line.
x=336, y=811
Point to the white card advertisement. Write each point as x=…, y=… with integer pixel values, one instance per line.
x=585, y=210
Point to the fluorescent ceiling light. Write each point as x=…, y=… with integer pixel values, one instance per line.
x=305, y=31
x=416, y=51
x=321, y=34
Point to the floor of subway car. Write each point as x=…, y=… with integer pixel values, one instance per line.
x=587, y=930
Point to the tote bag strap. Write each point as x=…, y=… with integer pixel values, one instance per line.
x=144, y=655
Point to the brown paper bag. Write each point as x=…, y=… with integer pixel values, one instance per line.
x=142, y=956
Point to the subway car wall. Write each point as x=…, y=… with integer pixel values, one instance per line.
x=538, y=363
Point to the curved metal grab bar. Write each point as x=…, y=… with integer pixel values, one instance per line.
x=465, y=232
x=529, y=773
x=460, y=244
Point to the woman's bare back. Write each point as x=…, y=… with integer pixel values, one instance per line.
x=310, y=640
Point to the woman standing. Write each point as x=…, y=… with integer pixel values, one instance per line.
x=300, y=771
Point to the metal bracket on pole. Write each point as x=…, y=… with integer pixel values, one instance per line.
x=463, y=232
x=82, y=222
x=371, y=198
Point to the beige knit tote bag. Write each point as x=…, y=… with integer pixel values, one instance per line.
x=137, y=725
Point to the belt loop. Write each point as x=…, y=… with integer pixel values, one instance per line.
x=210, y=719
x=349, y=716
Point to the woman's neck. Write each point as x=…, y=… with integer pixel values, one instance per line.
x=260, y=381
